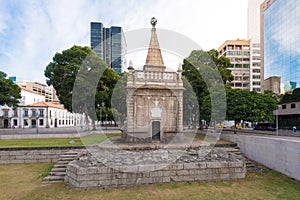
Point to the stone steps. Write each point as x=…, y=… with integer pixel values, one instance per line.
x=58, y=171
x=250, y=165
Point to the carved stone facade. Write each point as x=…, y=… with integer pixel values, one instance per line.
x=154, y=99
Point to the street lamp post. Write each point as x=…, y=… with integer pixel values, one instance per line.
x=99, y=106
x=106, y=122
x=37, y=122
x=277, y=132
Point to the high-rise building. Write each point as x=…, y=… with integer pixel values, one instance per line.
x=280, y=41
x=238, y=52
x=110, y=45
x=254, y=37
x=47, y=91
x=97, y=38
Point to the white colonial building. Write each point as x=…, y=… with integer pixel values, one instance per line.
x=41, y=114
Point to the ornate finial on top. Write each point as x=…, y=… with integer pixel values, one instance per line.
x=153, y=21
x=130, y=66
x=179, y=68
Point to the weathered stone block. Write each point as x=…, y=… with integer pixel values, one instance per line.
x=236, y=164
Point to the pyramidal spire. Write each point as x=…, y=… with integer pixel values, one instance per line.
x=154, y=57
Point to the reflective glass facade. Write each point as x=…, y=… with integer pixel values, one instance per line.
x=282, y=42
x=109, y=44
x=97, y=38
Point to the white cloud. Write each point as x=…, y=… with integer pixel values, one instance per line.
x=286, y=34
x=46, y=27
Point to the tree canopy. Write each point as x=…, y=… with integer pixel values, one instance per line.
x=249, y=106
x=202, y=69
x=81, y=80
x=10, y=93
x=208, y=74
x=293, y=97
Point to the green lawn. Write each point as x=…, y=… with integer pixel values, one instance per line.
x=49, y=142
x=24, y=181
x=87, y=140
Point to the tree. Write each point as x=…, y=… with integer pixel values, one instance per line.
x=10, y=93
x=207, y=74
x=289, y=98
x=249, y=106
x=81, y=80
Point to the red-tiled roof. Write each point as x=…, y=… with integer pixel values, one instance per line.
x=52, y=104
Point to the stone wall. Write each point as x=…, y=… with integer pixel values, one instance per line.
x=32, y=154
x=106, y=177
x=279, y=153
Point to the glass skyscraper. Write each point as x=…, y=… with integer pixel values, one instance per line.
x=281, y=41
x=110, y=45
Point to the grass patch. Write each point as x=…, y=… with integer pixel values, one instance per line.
x=45, y=171
x=50, y=142
x=19, y=181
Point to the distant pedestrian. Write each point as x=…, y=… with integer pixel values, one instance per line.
x=294, y=129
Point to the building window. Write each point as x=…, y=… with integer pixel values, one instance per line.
x=283, y=107
x=246, y=65
x=230, y=53
x=256, y=51
x=5, y=113
x=238, y=53
x=41, y=113
x=246, y=53
x=256, y=45
x=25, y=113
x=16, y=113
x=255, y=58
x=59, y=122
x=293, y=105
x=41, y=122
x=15, y=122
x=256, y=71
x=33, y=113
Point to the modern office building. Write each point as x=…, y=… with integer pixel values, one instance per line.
x=272, y=84
x=254, y=37
x=110, y=45
x=97, y=38
x=238, y=52
x=280, y=41
x=47, y=91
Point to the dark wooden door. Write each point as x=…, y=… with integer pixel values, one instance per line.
x=155, y=130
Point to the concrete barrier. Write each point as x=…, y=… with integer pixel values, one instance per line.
x=279, y=153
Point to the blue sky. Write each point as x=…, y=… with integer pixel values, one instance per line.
x=32, y=31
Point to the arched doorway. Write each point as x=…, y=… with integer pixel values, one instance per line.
x=156, y=130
